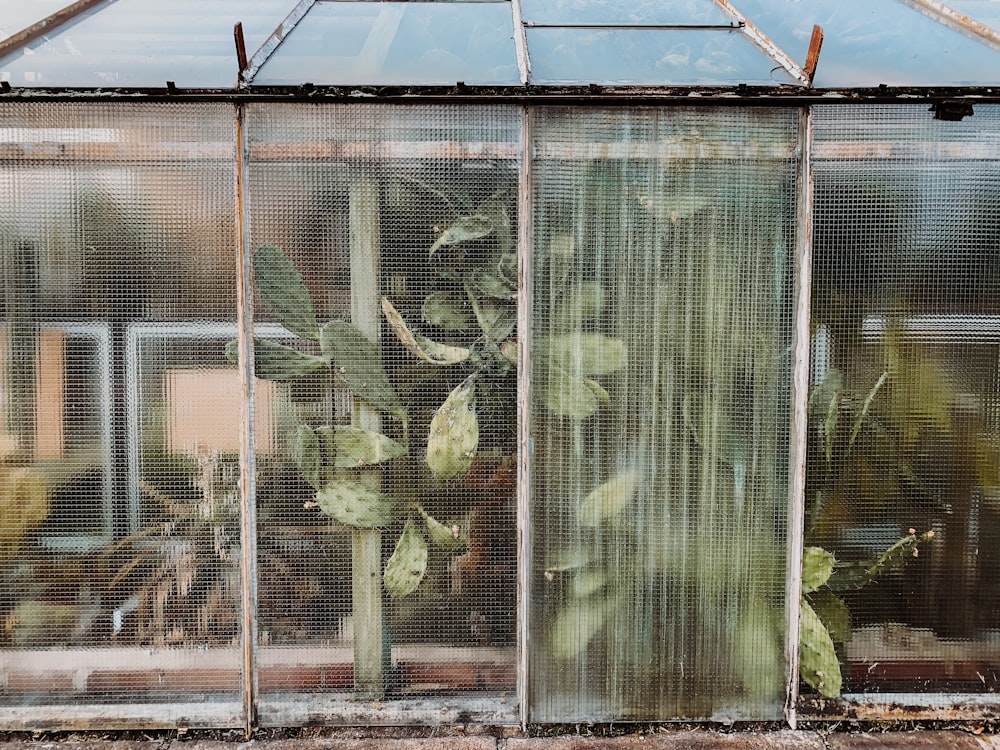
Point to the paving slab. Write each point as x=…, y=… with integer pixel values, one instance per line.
x=922, y=738
x=688, y=740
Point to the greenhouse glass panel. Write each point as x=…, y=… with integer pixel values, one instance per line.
x=395, y=43
x=648, y=56
x=17, y=17
x=137, y=44
x=868, y=44
x=119, y=533
x=661, y=333
x=902, y=483
x=384, y=246
x=688, y=12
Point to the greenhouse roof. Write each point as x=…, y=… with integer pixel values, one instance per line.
x=253, y=45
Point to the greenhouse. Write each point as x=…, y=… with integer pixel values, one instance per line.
x=498, y=362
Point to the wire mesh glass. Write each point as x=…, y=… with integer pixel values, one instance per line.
x=661, y=329
x=902, y=483
x=119, y=540
x=384, y=245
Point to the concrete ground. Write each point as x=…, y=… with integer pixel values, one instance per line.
x=660, y=739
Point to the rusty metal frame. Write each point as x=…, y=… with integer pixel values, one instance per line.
x=248, y=499
x=761, y=39
x=799, y=411
x=274, y=41
x=520, y=43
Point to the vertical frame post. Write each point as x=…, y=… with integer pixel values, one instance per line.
x=248, y=470
x=800, y=398
x=525, y=228
x=370, y=642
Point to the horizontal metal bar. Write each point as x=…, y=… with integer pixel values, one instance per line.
x=638, y=26
x=609, y=95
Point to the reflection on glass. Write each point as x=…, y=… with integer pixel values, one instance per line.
x=397, y=43
x=134, y=43
x=905, y=443
x=867, y=44
x=691, y=56
x=613, y=11
x=659, y=415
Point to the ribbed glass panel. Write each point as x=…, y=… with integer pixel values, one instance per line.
x=659, y=412
x=387, y=497
x=119, y=502
x=905, y=406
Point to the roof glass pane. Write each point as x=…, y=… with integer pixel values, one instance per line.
x=653, y=57
x=687, y=12
x=984, y=11
x=137, y=43
x=869, y=43
x=397, y=43
x=19, y=16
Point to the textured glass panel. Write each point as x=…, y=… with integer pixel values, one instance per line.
x=611, y=11
x=397, y=43
x=119, y=538
x=142, y=44
x=867, y=44
x=906, y=395
x=648, y=57
x=659, y=410
x=401, y=583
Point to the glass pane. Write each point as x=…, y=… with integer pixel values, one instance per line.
x=689, y=56
x=611, y=11
x=984, y=11
x=387, y=545
x=905, y=442
x=659, y=410
x=397, y=43
x=867, y=44
x=19, y=16
x=137, y=44
x=119, y=533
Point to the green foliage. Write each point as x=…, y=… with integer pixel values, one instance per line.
x=333, y=457
x=408, y=563
x=284, y=292
x=825, y=619
x=454, y=433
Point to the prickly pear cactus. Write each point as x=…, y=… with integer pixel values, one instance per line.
x=454, y=433
x=818, y=663
x=406, y=568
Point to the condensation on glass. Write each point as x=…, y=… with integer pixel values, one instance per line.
x=661, y=334
x=400, y=224
x=905, y=402
x=119, y=533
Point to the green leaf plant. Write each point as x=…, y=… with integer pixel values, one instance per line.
x=336, y=459
x=865, y=459
x=825, y=620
